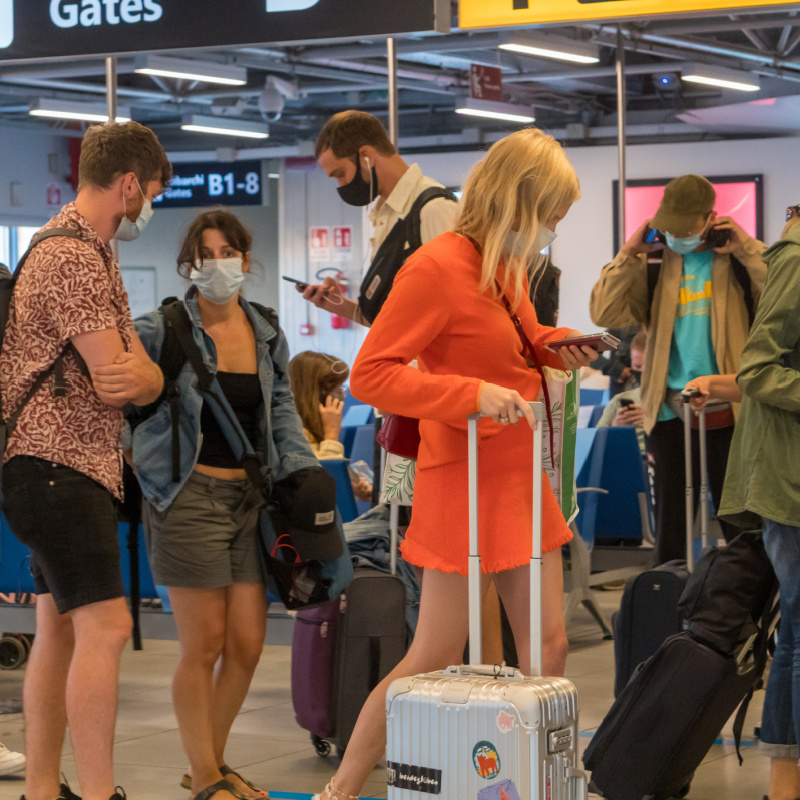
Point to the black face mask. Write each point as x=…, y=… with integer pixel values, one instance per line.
x=359, y=192
x=637, y=373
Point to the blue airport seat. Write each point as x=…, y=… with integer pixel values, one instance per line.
x=353, y=418
x=15, y=574
x=345, y=499
x=594, y=418
x=591, y=397
x=611, y=461
x=349, y=400
x=363, y=449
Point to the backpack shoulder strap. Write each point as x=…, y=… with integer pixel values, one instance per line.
x=414, y=217
x=743, y=277
x=49, y=233
x=176, y=319
x=653, y=274
x=172, y=357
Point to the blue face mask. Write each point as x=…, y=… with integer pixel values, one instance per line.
x=685, y=245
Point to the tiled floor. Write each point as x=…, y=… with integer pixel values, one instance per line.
x=272, y=750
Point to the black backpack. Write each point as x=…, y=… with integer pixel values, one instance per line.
x=739, y=271
x=7, y=284
x=403, y=240
x=178, y=348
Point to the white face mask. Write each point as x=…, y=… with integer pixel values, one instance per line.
x=544, y=238
x=218, y=279
x=127, y=231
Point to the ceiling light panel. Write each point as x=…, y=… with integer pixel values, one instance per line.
x=722, y=77
x=489, y=109
x=83, y=112
x=186, y=69
x=225, y=127
x=557, y=47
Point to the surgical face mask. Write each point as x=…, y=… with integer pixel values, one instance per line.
x=688, y=244
x=127, y=231
x=544, y=238
x=218, y=279
x=360, y=192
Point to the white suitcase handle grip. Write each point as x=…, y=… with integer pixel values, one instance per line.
x=487, y=671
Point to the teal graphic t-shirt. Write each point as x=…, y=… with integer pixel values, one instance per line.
x=691, y=353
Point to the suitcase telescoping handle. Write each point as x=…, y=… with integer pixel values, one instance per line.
x=688, y=411
x=536, y=553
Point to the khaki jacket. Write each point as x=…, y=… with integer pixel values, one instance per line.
x=619, y=299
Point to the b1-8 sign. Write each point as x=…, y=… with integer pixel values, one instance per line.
x=497, y=13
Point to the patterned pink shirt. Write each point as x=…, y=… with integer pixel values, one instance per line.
x=67, y=287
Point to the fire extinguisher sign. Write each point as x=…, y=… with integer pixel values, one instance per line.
x=319, y=245
x=342, y=243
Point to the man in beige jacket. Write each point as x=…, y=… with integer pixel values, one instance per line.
x=693, y=300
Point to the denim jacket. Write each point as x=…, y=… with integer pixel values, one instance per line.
x=280, y=444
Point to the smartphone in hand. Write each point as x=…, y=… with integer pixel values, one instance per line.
x=301, y=284
x=597, y=341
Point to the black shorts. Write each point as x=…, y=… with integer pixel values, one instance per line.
x=69, y=521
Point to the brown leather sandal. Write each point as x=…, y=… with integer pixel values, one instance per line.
x=219, y=786
x=226, y=770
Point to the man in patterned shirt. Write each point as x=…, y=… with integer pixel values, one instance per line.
x=63, y=462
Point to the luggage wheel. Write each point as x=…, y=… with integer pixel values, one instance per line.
x=13, y=652
x=322, y=746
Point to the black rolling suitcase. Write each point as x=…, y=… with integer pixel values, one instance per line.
x=666, y=720
x=648, y=613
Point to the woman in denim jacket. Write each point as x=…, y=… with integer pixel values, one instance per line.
x=201, y=530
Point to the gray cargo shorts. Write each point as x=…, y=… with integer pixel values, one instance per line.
x=207, y=538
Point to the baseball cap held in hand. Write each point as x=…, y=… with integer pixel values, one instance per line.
x=685, y=200
x=305, y=508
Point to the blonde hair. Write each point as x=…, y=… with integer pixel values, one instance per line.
x=519, y=185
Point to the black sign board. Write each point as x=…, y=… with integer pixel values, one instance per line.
x=206, y=184
x=58, y=28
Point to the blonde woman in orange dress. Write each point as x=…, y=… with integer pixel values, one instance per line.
x=448, y=308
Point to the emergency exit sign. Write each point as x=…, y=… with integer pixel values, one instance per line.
x=496, y=13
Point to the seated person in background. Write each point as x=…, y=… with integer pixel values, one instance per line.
x=625, y=408
x=316, y=381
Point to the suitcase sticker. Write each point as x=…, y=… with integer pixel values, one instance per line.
x=505, y=790
x=486, y=760
x=417, y=779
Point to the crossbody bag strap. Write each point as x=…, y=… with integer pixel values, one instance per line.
x=527, y=346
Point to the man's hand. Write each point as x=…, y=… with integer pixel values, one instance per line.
x=737, y=237
x=628, y=415
x=328, y=296
x=702, y=385
x=636, y=244
x=128, y=380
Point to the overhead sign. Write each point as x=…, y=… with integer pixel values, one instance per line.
x=206, y=184
x=485, y=83
x=59, y=28
x=497, y=13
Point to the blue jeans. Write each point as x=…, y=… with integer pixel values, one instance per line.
x=780, y=725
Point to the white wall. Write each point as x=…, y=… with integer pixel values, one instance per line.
x=585, y=237
x=159, y=244
x=24, y=160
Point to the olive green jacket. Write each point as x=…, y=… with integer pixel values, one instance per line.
x=620, y=299
x=763, y=478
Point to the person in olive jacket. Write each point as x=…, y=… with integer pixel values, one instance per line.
x=762, y=487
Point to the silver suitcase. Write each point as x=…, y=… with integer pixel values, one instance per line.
x=484, y=732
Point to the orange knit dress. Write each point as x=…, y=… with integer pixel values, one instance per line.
x=462, y=337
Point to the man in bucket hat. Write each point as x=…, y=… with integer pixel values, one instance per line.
x=694, y=288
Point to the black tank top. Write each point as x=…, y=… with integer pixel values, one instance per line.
x=243, y=391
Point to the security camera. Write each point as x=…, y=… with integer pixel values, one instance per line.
x=272, y=99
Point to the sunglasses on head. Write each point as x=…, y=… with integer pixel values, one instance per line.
x=791, y=211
